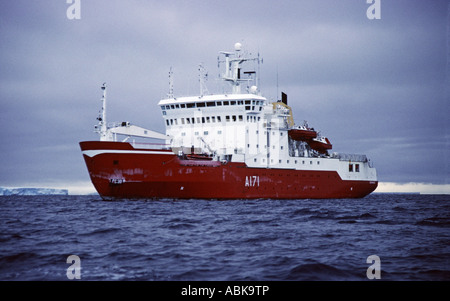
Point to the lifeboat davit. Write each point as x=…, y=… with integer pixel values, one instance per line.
x=302, y=133
x=321, y=144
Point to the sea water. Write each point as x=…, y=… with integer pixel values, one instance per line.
x=407, y=235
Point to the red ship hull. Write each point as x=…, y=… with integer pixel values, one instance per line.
x=117, y=171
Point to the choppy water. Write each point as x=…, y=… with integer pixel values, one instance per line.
x=260, y=240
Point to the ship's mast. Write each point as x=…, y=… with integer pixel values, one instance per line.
x=203, y=77
x=170, y=94
x=232, y=74
x=102, y=126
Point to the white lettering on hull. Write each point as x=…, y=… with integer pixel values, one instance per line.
x=252, y=181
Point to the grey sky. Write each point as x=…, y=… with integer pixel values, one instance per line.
x=376, y=87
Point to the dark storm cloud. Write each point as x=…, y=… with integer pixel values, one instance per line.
x=372, y=86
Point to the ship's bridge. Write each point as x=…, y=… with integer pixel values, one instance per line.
x=209, y=101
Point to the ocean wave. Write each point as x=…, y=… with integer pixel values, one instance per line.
x=318, y=271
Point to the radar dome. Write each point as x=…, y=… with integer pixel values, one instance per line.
x=253, y=89
x=237, y=46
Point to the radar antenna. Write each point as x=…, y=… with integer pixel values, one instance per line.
x=233, y=62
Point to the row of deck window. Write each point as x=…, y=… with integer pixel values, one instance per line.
x=249, y=104
x=211, y=119
x=303, y=162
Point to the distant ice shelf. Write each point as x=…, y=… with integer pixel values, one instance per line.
x=33, y=191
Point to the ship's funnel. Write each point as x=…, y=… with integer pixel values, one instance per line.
x=284, y=98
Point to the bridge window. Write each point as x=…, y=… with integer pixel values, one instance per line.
x=356, y=167
x=350, y=167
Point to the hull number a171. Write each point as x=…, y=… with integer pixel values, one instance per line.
x=252, y=181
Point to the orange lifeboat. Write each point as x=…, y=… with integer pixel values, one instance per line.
x=302, y=133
